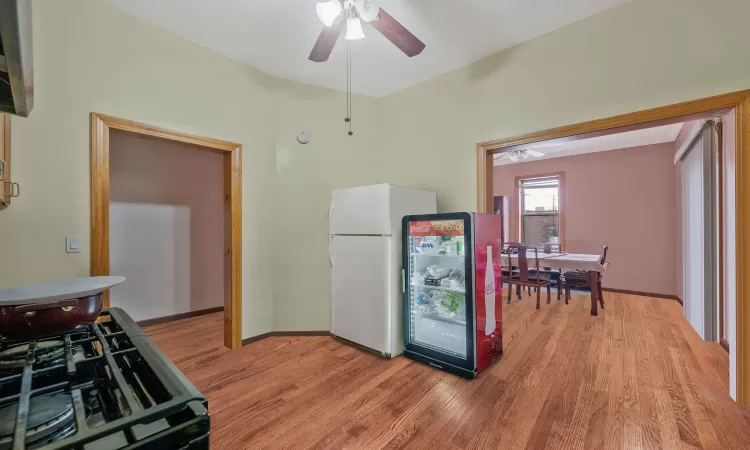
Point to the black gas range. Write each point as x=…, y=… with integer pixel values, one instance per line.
x=104, y=386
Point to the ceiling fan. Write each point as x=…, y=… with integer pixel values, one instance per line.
x=515, y=155
x=338, y=15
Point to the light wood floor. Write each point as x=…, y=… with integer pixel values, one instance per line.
x=637, y=376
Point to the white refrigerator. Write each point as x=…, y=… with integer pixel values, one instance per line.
x=365, y=256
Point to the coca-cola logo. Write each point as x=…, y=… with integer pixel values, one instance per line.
x=437, y=228
x=420, y=228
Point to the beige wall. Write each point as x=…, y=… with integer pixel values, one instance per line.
x=92, y=57
x=621, y=198
x=166, y=226
x=644, y=54
x=305, y=177
x=426, y=135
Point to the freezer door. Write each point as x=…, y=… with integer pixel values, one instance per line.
x=361, y=210
x=361, y=290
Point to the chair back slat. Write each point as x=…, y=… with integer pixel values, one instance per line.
x=523, y=260
x=603, y=259
x=507, y=250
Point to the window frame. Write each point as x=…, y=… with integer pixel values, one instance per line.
x=560, y=206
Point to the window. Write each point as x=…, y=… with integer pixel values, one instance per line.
x=541, y=210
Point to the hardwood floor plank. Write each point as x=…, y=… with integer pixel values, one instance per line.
x=471, y=415
x=597, y=426
x=636, y=376
x=632, y=430
x=668, y=430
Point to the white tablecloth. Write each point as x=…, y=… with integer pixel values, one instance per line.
x=564, y=261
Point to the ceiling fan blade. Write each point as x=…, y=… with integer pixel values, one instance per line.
x=396, y=33
x=535, y=153
x=326, y=41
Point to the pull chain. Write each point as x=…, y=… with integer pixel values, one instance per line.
x=349, y=88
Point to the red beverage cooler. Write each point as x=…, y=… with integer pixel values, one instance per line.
x=452, y=287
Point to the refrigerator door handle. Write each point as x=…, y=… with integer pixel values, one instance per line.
x=330, y=243
x=403, y=281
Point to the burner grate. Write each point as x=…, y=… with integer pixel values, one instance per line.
x=113, y=361
x=22, y=414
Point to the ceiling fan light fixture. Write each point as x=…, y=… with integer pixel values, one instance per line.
x=367, y=10
x=329, y=11
x=354, y=29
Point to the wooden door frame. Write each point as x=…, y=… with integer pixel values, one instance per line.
x=740, y=101
x=232, y=155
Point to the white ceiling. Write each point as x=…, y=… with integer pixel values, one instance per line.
x=628, y=139
x=276, y=36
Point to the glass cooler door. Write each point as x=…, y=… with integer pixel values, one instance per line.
x=438, y=300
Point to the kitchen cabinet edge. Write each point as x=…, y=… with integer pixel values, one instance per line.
x=6, y=189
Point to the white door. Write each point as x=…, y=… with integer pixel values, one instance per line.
x=361, y=210
x=361, y=290
x=699, y=236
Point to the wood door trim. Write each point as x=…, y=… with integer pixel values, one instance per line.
x=739, y=100
x=561, y=202
x=232, y=153
x=163, y=133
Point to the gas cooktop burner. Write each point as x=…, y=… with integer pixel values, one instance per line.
x=15, y=357
x=104, y=386
x=47, y=353
x=50, y=419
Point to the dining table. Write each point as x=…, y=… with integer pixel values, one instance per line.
x=591, y=264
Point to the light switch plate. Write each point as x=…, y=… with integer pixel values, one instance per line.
x=72, y=244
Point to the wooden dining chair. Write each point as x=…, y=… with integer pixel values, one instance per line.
x=554, y=274
x=522, y=277
x=581, y=278
x=511, y=268
x=506, y=271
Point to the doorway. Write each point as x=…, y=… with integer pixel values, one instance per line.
x=101, y=128
x=694, y=110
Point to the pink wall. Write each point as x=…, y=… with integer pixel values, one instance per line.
x=166, y=226
x=621, y=198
